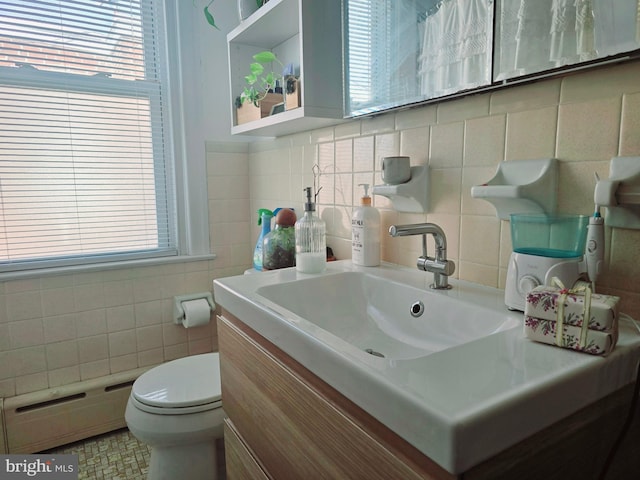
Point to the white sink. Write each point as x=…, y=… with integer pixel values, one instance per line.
x=386, y=318
x=461, y=383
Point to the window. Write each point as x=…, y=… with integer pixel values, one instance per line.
x=85, y=145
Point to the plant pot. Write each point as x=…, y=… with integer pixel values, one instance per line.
x=267, y=103
x=247, y=112
x=292, y=95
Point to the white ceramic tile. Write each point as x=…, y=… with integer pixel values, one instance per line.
x=92, y=349
x=26, y=333
x=532, y=134
x=446, y=145
x=22, y=286
x=480, y=240
x=118, y=292
x=123, y=363
x=64, y=376
x=149, y=358
x=120, y=318
x=363, y=154
x=380, y=124
x=147, y=289
x=148, y=313
x=61, y=354
x=386, y=145
x=203, y=345
x=484, y=140
x=148, y=338
x=171, y=352
x=414, y=143
x=96, y=369
x=22, y=306
x=629, y=137
x=7, y=388
x=589, y=130
x=60, y=328
x=122, y=343
x=173, y=334
x=30, y=360
x=91, y=322
x=5, y=343
x=347, y=130
x=6, y=369
x=58, y=301
x=31, y=383
x=88, y=297
x=444, y=192
x=344, y=156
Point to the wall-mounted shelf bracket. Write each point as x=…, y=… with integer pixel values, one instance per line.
x=522, y=186
x=412, y=196
x=620, y=193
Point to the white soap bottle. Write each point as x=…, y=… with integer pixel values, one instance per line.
x=365, y=232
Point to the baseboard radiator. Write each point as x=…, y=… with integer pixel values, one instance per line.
x=41, y=420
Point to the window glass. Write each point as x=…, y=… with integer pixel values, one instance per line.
x=85, y=166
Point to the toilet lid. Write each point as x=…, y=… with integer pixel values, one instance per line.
x=185, y=382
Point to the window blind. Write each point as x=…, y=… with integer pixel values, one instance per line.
x=85, y=147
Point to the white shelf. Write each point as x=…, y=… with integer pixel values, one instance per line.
x=306, y=33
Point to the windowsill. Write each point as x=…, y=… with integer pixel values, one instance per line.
x=97, y=267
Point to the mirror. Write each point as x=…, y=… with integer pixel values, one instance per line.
x=406, y=52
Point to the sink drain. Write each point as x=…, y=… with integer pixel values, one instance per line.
x=371, y=351
x=417, y=309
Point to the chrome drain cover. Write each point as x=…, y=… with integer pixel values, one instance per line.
x=417, y=309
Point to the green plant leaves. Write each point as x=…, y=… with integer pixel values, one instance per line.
x=210, y=20
x=264, y=57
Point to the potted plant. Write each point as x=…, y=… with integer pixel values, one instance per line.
x=262, y=90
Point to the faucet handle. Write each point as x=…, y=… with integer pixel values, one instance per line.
x=441, y=267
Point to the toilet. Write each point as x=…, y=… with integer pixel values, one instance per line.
x=176, y=409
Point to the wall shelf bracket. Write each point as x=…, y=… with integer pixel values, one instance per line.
x=522, y=186
x=620, y=193
x=412, y=196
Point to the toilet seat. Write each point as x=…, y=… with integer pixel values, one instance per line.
x=182, y=386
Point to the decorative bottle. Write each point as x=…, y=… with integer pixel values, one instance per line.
x=279, y=245
x=264, y=219
x=365, y=233
x=311, y=243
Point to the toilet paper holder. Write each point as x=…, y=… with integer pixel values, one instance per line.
x=178, y=309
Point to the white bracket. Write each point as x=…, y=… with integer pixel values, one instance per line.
x=522, y=186
x=178, y=309
x=620, y=193
x=412, y=196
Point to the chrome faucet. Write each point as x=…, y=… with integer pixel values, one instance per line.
x=439, y=266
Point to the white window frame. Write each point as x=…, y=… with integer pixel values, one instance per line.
x=188, y=157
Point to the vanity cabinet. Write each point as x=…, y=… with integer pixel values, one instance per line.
x=306, y=34
x=284, y=422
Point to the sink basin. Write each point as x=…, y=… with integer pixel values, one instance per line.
x=384, y=318
x=460, y=382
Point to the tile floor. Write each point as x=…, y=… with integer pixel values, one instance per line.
x=113, y=456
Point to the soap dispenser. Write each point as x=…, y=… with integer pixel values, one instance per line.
x=311, y=243
x=365, y=232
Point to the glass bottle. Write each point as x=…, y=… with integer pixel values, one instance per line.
x=279, y=246
x=311, y=243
